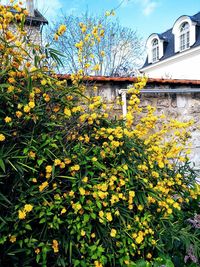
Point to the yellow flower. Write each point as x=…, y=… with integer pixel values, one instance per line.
x=11, y=80
x=46, y=97
x=139, y=239
x=31, y=104
x=155, y=174
x=18, y=114
x=26, y=109
x=109, y=216
x=96, y=67
x=34, y=180
x=169, y=211
x=71, y=193
x=82, y=191
x=98, y=264
x=10, y=89
x=76, y=167
x=43, y=186
x=21, y=214
x=85, y=179
x=113, y=232
x=140, y=207
x=131, y=193
x=12, y=239
x=55, y=246
x=101, y=214
x=67, y=161
x=176, y=206
x=43, y=82
x=28, y=207
x=61, y=29
x=49, y=169
x=57, y=162
x=37, y=250
x=102, y=53
x=93, y=235
x=63, y=211
x=32, y=154
x=125, y=167
x=67, y=112
x=62, y=165
x=2, y=137
x=149, y=256
x=56, y=37
x=83, y=233
x=7, y=119
x=77, y=207
x=107, y=14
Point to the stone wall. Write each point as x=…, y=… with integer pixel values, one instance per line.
x=176, y=101
x=33, y=33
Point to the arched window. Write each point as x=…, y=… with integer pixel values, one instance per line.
x=155, y=50
x=184, y=36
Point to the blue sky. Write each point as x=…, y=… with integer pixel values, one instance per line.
x=145, y=16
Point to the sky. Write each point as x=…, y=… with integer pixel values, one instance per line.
x=144, y=16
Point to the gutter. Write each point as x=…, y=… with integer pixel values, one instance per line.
x=171, y=91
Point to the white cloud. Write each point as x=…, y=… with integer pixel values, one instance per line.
x=148, y=6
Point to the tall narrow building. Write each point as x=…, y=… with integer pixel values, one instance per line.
x=34, y=22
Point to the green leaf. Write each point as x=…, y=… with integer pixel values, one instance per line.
x=93, y=215
x=43, y=220
x=86, y=218
x=169, y=263
x=99, y=204
x=142, y=263
x=28, y=227
x=5, y=199
x=2, y=165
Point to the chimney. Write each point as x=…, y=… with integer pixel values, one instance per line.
x=30, y=7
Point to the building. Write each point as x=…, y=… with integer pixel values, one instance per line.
x=34, y=23
x=175, y=98
x=175, y=53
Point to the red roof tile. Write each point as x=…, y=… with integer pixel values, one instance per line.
x=133, y=79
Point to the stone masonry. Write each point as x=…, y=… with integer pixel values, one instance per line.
x=177, y=99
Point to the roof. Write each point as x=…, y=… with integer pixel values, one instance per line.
x=35, y=20
x=169, y=41
x=104, y=79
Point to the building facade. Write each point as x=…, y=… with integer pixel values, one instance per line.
x=175, y=54
x=34, y=23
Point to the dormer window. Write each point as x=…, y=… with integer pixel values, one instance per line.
x=184, y=31
x=155, y=50
x=155, y=47
x=184, y=36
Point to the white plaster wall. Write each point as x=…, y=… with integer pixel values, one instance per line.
x=185, y=66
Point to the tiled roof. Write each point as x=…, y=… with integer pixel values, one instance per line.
x=37, y=19
x=104, y=79
x=169, y=41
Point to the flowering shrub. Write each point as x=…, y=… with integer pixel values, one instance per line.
x=78, y=188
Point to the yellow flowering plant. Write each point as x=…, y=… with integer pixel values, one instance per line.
x=77, y=187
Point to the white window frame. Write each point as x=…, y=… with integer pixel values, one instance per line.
x=155, y=50
x=159, y=51
x=189, y=35
x=184, y=37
